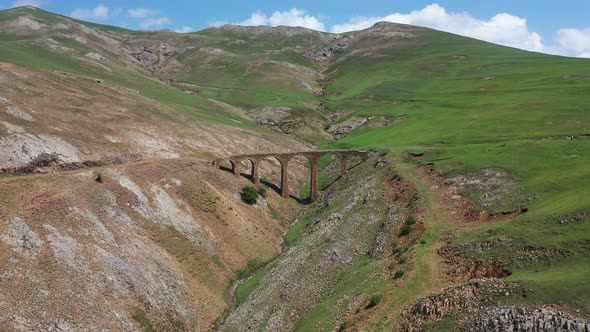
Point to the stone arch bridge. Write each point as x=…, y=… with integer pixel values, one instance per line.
x=284, y=158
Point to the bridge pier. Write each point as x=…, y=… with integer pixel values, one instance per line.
x=314, y=191
x=234, y=167
x=285, y=177
x=284, y=158
x=343, y=165
x=254, y=172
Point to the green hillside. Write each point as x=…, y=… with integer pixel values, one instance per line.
x=471, y=105
x=426, y=98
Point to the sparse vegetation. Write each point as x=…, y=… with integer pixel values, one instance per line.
x=143, y=320
x=262, y=190
x=249, y=195
x=217, y=261
x=250, y=267
x=199, y=196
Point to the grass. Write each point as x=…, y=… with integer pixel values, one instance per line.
x=251, y=266
x=245, y=288
x=497, y=108
x=295, y=233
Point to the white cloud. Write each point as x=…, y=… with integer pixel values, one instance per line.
x=141, y=12
x=502, y=29
x=184, y=29
x=155, y=22
x=100, y=12
x=574, y=42
x=217, y=23
x=291, y=17
x=34, y=3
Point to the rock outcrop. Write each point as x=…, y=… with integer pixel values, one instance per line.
x=332, y=51
x=152, y=57
x=540, y=320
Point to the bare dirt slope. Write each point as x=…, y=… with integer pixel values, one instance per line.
x=161, y=237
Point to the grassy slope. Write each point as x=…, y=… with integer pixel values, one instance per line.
x=27, y=51
x=497, y=107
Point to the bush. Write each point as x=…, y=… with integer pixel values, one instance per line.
x=249, y=195
x=395, y=250
x=374, y=300
x=343, y=326
x=398, y=274
x=406, y=229
x=98, y=178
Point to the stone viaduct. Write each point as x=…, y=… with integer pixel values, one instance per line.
x=284, y=158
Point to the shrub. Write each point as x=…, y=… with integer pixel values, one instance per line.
x=343, y=326
x=398, y=274
x=395, y=250
x=406, y=229
x=374, y=300
x=98, y=178
x=249, y=195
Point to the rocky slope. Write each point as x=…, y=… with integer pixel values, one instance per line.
x=164, y=238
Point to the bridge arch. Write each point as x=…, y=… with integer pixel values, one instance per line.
x=285, y=158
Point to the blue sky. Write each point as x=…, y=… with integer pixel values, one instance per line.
x=557, y=27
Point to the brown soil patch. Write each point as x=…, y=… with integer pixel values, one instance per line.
x=458, y=205
x=402, y=190
x=461, y=269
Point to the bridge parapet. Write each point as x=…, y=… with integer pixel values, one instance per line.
x=284, y=158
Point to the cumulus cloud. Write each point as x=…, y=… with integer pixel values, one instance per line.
x=184, y=29
x=34, y=3
x=574, y=42
x=155, y=22
x=502, y=29
x=291, y=17
x=141, y=12
x=100, y=12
